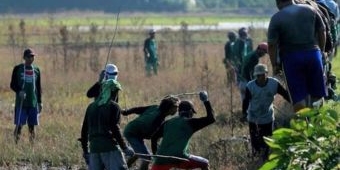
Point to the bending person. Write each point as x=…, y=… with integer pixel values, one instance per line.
x=176, y=134
x=145, y=125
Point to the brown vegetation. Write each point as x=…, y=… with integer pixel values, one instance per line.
x=68, y=71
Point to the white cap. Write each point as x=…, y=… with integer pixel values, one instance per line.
x=111, y=69
x=111, y=72
x=151, y=31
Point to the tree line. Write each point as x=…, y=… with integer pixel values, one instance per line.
x=113, y=6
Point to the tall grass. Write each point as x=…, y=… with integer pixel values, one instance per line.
x=198, y=68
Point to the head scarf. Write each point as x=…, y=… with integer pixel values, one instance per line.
x=107, y=86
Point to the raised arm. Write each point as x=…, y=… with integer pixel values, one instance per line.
x=199, y=123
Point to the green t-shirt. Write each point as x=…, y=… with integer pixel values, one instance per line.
x=230, y=53
x=101, y=121
x=243, y=48
x=151, y=46
x=143, y=125
x=248, y=64
x=176, y=137
x=26, y=78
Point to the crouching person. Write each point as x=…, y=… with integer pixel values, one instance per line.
x=176, y=133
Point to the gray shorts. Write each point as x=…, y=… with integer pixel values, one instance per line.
x=113, y=160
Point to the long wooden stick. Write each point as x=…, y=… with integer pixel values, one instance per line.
x=178, y=95
x=162, y=156
x=113, y=37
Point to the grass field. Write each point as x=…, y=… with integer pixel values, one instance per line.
x=42, y=29
x=73, y=19
x=185, y=66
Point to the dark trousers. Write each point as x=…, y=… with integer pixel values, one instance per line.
x=257, y=132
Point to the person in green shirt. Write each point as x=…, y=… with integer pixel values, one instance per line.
x=230, y=61
x=251, y=60
x=150, y=54
x=176, y=133
x=243, y=46
x=144, y=126
x=229, y=50
x=101, y=128
x=110, y=72
x=25, y=82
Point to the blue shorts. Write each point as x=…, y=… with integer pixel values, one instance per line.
x=27, y=115
x=304, y=74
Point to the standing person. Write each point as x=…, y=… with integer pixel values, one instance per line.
x=102, y=130
x=330, y=30
x=248, y=64
x=332, y=10
x=230, y=61
x=257, y=108
x=150, y=53
x=301, y=48
x=229, y=51
x=251, y=60
x=244, y=45
x=26, y=84
x=176, y=134
x=110, y=72
x=144, y=126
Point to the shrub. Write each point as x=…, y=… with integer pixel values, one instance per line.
x=312, y=142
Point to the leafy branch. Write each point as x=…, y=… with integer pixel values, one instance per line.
x=312, y=142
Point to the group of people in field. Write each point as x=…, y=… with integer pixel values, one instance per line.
x=257, y=90
x=302, y=37
x=104, y=143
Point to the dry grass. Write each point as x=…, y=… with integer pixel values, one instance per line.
x=65, y=102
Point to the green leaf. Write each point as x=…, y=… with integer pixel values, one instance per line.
x=282, y=132
x=271, y=143
x=333, y=114
x=274, y=156
x=271, y=164
x=329, y=119
x=306, y=112
x=312, y=144
x=298, y=124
